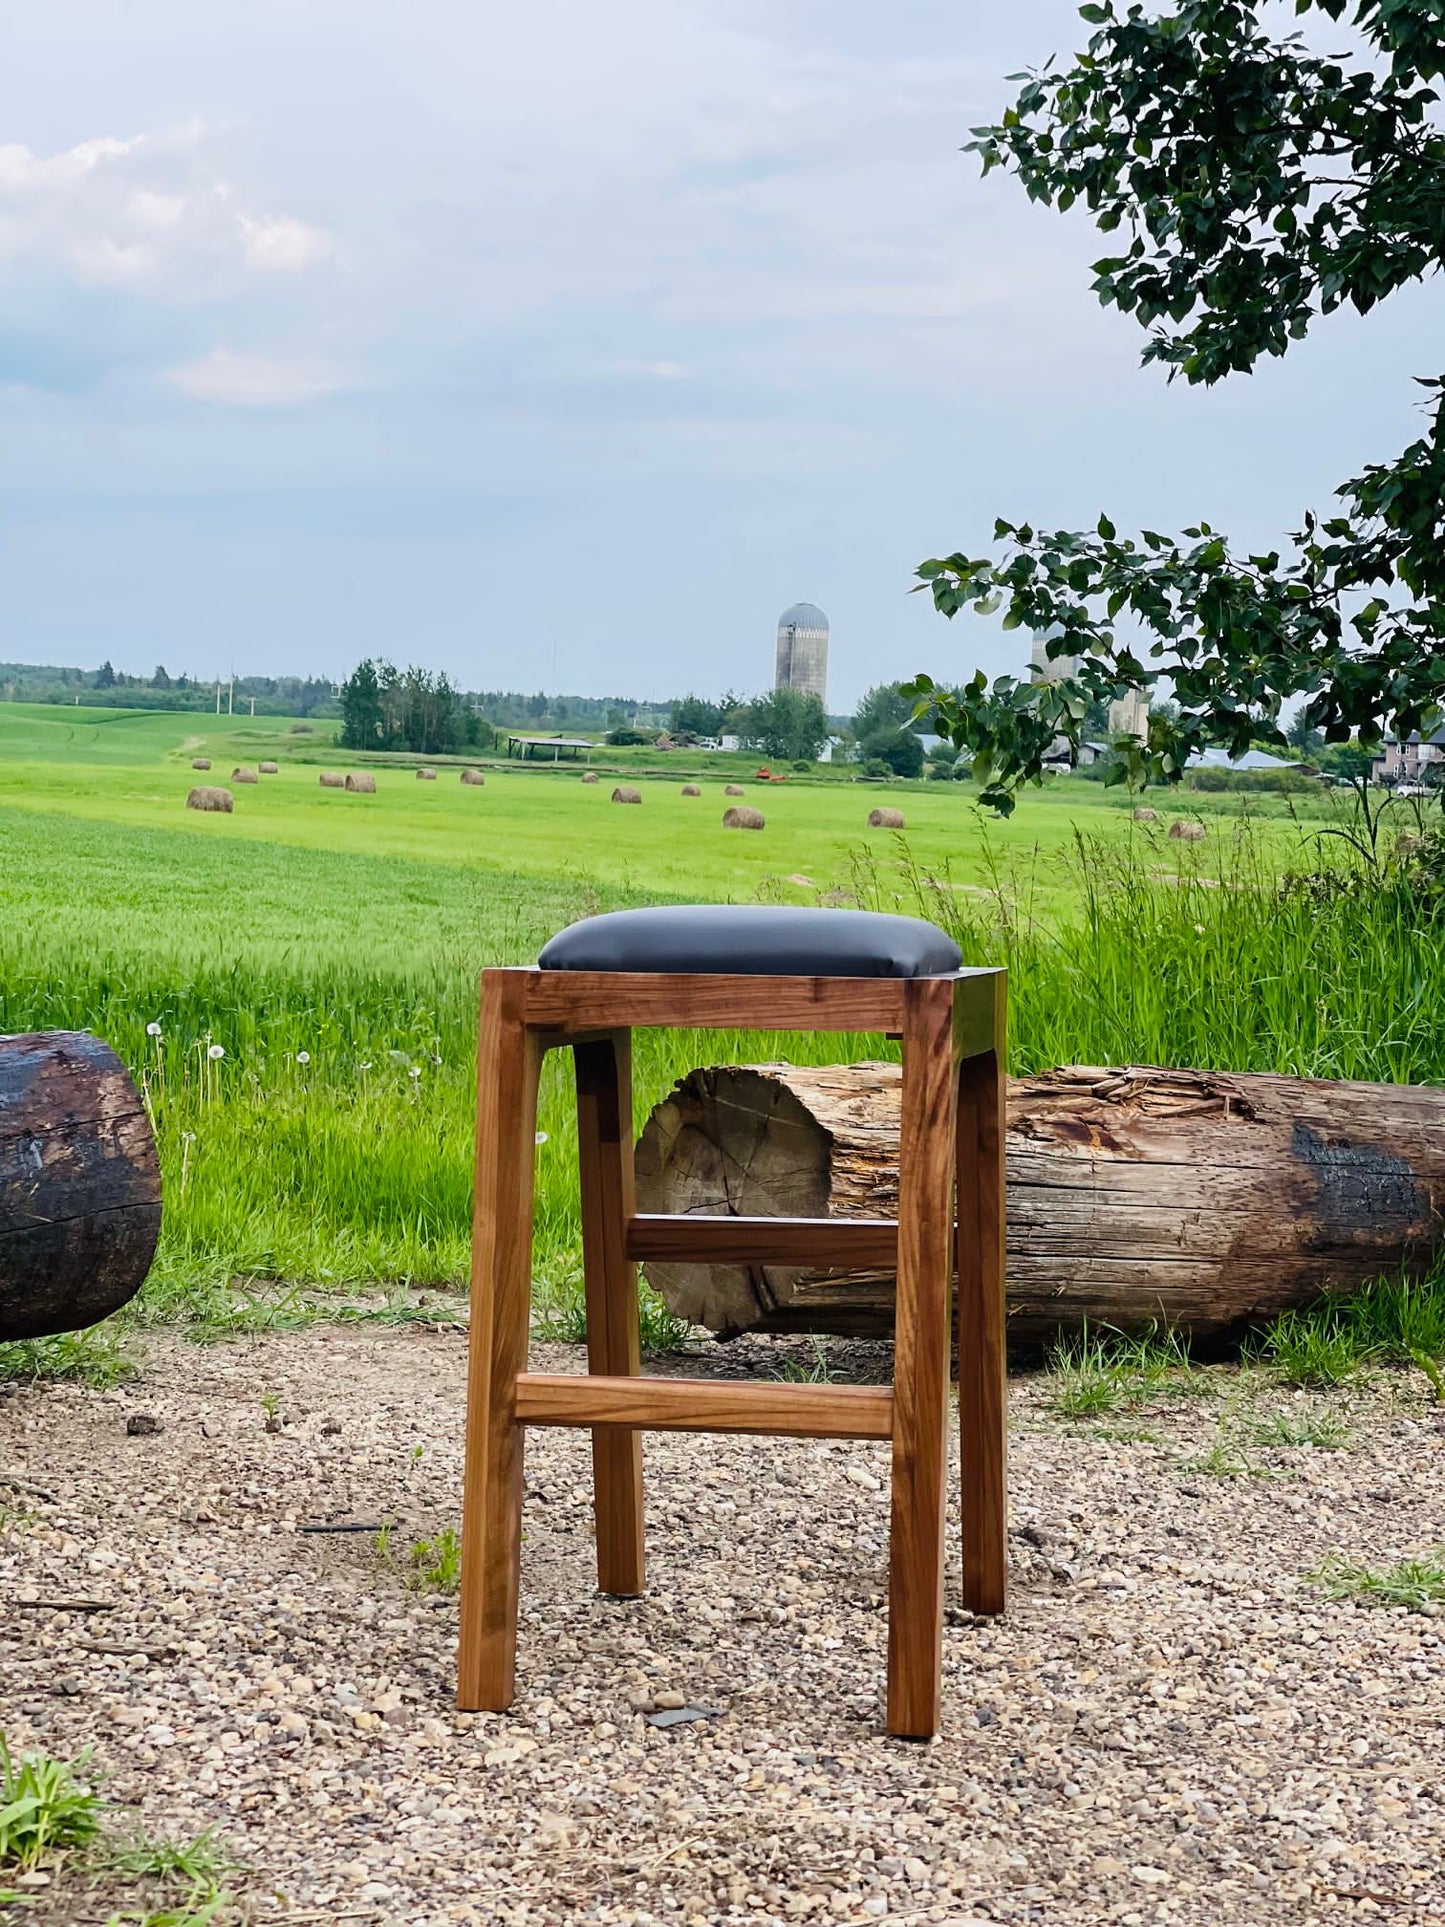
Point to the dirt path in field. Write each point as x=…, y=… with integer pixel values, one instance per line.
x=1170, y=1726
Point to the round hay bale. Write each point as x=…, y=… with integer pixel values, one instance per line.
x=691, y=789
x=331, y=779
x=589, y=776
x=476, y=778
x=1142, y=815
x=623, y=794
x=885, y=819
x=426, y=776
x=268, y=769
x=243, y=775
x=733, y=789
x=201, y=762
x=740, y=817
x=207, y=797
x=361, y=782
x=1183, y=832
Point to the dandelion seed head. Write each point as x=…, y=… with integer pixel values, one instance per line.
x=216, y=1052
x=153, y=1029
x=415, y=1071
x=541, y=1137
x=303, y=1057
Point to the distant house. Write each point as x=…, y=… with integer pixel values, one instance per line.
x=1061, y=755
x=1251, y=759
x=1413, y=760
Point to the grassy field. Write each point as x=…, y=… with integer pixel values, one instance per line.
x=328, y=944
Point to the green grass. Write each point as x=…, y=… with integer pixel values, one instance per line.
x=1416, y=1584
x=1395, y=1321
x=1323, y=1430
x=95, y=1358
x=44, y=1809
x=1102, y=1371
x=327, y=946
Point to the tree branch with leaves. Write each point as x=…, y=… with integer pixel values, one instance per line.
x=1260, y=186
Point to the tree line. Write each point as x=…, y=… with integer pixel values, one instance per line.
x=383, y=707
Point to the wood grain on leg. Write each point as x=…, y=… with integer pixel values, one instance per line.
x=509, y=1058
x=604, y=1143
x=982, y=1363
x=920, y=1372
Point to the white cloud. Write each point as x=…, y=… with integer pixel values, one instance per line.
x=255, y=381
x=152, y=212
x=283, y=245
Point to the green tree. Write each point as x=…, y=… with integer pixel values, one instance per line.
x=1303, y=736
x=900, y=749
x=1256, y=186
x=105, y=676
x=883, y=708
x=694, y=716
x=361, y=715
x=160, y=680
x=787, y=724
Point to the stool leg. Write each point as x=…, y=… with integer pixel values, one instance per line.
x=920, y=1370
x=604, y=1144
x=982, y=1363
x=509, y=1062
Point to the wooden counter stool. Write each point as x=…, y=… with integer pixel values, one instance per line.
x=760, y=969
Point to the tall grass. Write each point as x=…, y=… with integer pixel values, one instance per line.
x=1188, y=959
x=314, y=1104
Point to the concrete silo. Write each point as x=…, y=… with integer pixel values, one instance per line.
x=803, y=651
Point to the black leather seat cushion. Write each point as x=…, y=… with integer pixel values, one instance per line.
x=766, y=941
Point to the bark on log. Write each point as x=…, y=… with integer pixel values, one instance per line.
x=1198, y=1199
x=80, y=1184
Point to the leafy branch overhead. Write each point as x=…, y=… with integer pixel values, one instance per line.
x=1254, y=186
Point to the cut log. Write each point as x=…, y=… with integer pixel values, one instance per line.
x=80, y=1184
x=1195, y=1199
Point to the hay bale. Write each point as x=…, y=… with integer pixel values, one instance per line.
x=207, y=797
x=426, y=776
x=243, y=775
x=267, y=769
x=589, y=776
x=201, y=762
x=331, y=779
x=1183, y=832
x=362, y=782
x=691, y=789
x=885, y=819
x=476, y=778
x=622, y=794
x=740, y=817
x=1142, y=815
x=733, y=789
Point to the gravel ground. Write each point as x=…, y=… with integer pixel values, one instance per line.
x=1170, y=1726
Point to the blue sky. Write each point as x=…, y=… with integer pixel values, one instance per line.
x=564, y=345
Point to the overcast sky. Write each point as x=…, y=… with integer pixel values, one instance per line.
x=561, y=345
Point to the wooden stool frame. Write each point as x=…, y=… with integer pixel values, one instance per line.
x=952, y=1030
